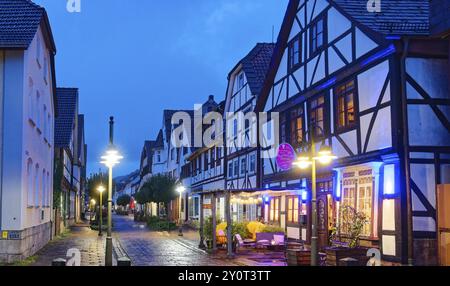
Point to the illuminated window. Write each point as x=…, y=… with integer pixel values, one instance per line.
x=292, y=209
x=274, y=210
x=297, y=127
x=345, y=98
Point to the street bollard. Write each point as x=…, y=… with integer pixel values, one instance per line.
x=348, y=262
x=59, y=262
x=123, y=261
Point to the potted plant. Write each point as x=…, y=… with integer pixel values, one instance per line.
x=345, y=238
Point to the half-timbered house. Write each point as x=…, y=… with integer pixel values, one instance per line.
x=374, y=86
x=245, y=82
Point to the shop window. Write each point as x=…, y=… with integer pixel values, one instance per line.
x=358, y=194
x=292, y=209
x=345, y=98
x=274, y=215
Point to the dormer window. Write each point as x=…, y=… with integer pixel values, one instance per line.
x=317, y=35
x=295, y=52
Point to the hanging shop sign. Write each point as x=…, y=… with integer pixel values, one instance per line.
x=285, y=156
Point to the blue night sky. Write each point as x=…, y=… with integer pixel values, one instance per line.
x=134, y=58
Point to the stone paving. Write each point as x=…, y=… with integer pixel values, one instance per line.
x=87, y=241
x=146, y=248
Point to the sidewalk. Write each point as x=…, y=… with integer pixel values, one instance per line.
x=81, y=237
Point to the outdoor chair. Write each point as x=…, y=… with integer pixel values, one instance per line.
x=241, y=243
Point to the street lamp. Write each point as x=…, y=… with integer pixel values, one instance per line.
x=181, y=190
x=111, y=158
x=101, y=189
x=304, y=161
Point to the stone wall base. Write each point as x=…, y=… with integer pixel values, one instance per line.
x=28, y=243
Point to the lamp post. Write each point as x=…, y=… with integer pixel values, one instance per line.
x=110, y=159
x=100, y=189
x=180, y=189
x=304, y=161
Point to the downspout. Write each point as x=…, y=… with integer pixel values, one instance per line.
x=409, y=221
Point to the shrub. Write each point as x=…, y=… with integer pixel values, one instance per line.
x=273, y=229
x=240, y=228
x=254, y=227
x=157, y=224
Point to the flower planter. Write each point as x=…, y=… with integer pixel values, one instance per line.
x=335, y=254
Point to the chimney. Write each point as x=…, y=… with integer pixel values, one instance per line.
x=440, y=17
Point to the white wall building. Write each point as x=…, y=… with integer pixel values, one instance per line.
x=27, y=113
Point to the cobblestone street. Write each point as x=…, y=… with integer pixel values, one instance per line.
x=144, y=248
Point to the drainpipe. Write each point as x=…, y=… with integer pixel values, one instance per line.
x=409, y=221
x=2, y=107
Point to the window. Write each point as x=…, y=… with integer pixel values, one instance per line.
x=240, y=81
x=213, y=157
x=317, y=113
x=38, y=112
x=49, y=190
x=45, y=122
x=252, y=163
x=274, y=214
x=235, y=128
x=30, y=183
x=218, y=155
x=30, y=99
x=205, y=158
x=36, y=186
x=243, y=166
x=236, y=168
x=46, y=70
x=358, y=194
x=317, y=36
x=297, y=127
x=292, y=209
x=158, y=156
x=345, y=98
x=295, y=52
x=172, y=154
x=44, y=188
x=283, y=138
x=49, y=128
x=230, y=170
x=38, y=50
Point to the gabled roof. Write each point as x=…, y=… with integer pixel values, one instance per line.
x=159, y=142
x=19, y=22
x=67, y=100
x=167, y=118
x=80, y=133
x=256, y=65
x=397, y=17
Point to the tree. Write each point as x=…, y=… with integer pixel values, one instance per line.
x=123, y=200
x=94, y=181
x=157, y=189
